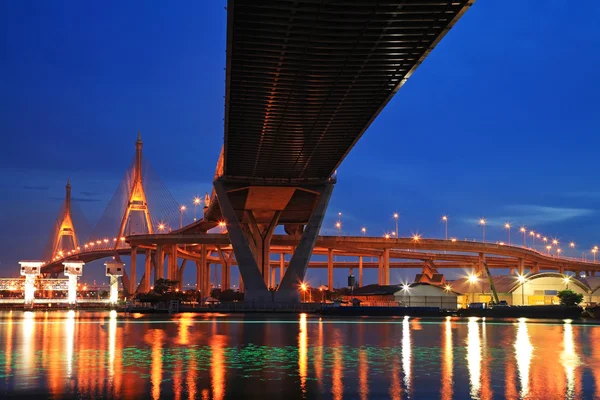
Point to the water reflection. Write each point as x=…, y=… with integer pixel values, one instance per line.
x=72, y=354
x=447, y=361
x=302, y=353
x=474, y=356
x=523, y=353
x=406, y=353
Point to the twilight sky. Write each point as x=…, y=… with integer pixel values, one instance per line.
x=501, y=121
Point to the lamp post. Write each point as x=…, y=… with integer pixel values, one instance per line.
x=522, y=281
x=445, y=219
x=303, y=287
x=566, y=279
x=532, y=234
x=594, y=250
x=338, y=225
x=558, y=250
x=572, y=245
x=181, y=210
x=197, y=201
x=364, y=231
x=548, y=249
x=507, y=227
x=523, y=230
x=482, y=223
x=396, y=216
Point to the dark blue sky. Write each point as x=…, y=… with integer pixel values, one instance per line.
x=501, y=121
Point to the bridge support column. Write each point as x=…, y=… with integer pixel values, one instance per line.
x=249, y=268
x=330, y=270
x=561, y=269
x=386, y=267
x=296, y=271
x=521, y=266
x=180, y=271
x=360, y=271
x=145, y=287
x=380, y=270
x=73, y=269
x=30, y=269
x=200, y=270
x=132, y=269
x=225, y=268
x=535, y=269
x=281, y=266
x=480, y=267
x=159, y=263
x=273, y=282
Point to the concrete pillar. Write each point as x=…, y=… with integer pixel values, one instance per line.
x=380, y=270
x=521, y=266
x=561, y=269
x=73, y=269
x=253, y=280
x=147, y=272
x=386, y=267
x=592, y=273
x=241, y=284
x=132, y=273
x=159, y=263
x=281, y=266
x=200, y=278
x=296, y=271
x=480, y=267
x=330, y=269
x=273, y=277
x=535, y=269
x=180, y=271
x=360, y=271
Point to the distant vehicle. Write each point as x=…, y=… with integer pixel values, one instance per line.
x=478, y=305
x=501, y=303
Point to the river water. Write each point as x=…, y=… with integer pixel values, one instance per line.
x=83, y=354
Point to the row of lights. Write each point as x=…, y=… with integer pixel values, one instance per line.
x=87, y=246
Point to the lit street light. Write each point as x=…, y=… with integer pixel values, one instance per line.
x=594, y=250
x=567, y=279
x=181, y=210
x=572, y=245
x=523, y=230
x=303, y=288
x=396, y=216
x=364, y=231
x=197, y=201
x=507, y=227
x=548, y=248
x=161, y=227
x=338, y=225
x=445, y=219
x=558, y=252
x=532, y=234
x=482, y=223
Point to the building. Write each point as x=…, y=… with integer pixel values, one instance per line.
x=427, y=295
x=374, y=295
x=536, y=289
x=430, y=275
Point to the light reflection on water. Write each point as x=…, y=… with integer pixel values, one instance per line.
x=197, y=356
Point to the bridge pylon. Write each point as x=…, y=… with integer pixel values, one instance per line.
x=137, y=195
x=66, y=228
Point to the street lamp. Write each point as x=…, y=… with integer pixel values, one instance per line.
x=338, y=225
x=181, y=210
x=532, y=234
x=482, y=223
x=567, y=279
x=222, y=225
x=523, y=230
x=558, y=252
x=507, y=227
x=396, y=216
x=197, y=201
x=548, y=249
x=445, y=219
x=387, y=236
x=572, y=245
x=522, y=281
x=161, y=226
x=364, y=231
x=594, y=250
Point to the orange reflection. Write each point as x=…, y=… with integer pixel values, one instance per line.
x=217, y=345
x=191, y=377
x=570, y=361
x=302, y=353
x=395, y=390
x=363, y=374
x=156, y=336
x=319, y=357
x=486, y=387
x=177, y=379
x=185, y=322
x=474, y=356
x=447, y=361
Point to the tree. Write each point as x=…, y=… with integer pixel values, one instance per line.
x=162, y=286
x=569, y=298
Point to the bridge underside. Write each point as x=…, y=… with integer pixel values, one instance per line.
x=306, y=78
